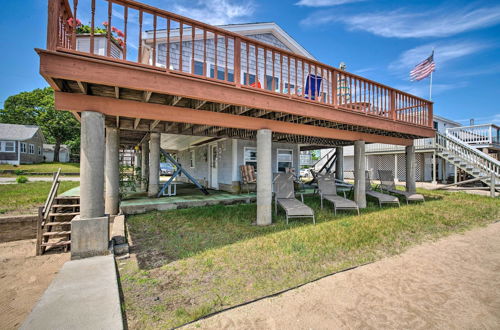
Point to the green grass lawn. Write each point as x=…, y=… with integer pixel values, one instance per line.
x=44, y=167
x=25, y=198
x=192, y=262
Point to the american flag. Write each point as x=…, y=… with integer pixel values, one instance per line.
x=424, y=69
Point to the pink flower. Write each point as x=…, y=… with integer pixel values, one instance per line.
x=105, y=23
x=71, y=22
x=114, y=29
x=120, y=33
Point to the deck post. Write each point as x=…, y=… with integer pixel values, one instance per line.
x=264, y=177
x=154, y=165
x=434, y=179
x=144, y=165
x=112, y=171
x=410, y=169
x=359, y=174
x=339, y=163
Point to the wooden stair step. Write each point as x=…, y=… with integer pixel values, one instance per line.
x=63, y=243
x=67, y=197
x=66, y=205
x=56, y=233
x=59, y=214
x=58, y=223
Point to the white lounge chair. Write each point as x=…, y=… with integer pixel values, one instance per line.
x=380, y=197
x=328, y=190
x=387, y=184
x=284, y=196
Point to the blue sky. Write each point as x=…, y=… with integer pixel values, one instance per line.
x=380, y=40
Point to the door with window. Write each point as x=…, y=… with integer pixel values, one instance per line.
x=214, y=182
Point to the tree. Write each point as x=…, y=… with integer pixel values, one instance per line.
x=37, y=108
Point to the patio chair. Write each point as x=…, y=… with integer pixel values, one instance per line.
x=284, y=196
x=328, y=190
x=247, y=175
x=380, y=197
x=387, y=184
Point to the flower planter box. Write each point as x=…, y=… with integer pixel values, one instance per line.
x=100, y=45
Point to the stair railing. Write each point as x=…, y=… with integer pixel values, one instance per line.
x=43, y=211
x=470, y=154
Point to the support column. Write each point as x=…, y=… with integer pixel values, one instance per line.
x=434, y=179
x=339, y=163
x=90, y=229
x=144, y=165
x=396, y=177
x=92, y=165
x=359, y=174
x=264, y=177
x=154, y=165
x=410, y=169
x=112, y=171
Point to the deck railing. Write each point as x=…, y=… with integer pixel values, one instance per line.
x=128, y=31
x=486, y=134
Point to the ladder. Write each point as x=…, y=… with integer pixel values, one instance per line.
x=54, y=219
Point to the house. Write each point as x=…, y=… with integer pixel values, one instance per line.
x=21, y=144
x=218, y=97
x=64, y=153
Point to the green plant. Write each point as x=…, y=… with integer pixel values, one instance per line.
x=19, y=172
x=21, y=179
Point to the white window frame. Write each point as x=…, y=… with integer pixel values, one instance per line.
x=3, y=146
x=192, y=158
x=32, y=149
x=278, y=157
x=23, y=147
x=246, y=160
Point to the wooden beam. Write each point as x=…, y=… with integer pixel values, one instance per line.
x=55, y=86
x=147, y=96
x=136, y=122
x=154, y=124
x=117, y=92
x=198, y=104
x=77, y=115
x=105, y=72
x=117, y=121
x=83, y=87
x=175, y=100
x=151, y=111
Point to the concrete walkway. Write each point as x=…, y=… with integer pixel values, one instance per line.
x=453, y=283
x=84, y=295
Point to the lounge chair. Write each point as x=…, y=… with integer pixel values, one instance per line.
x=380, y=197
x=328, y=190
x=247, y=176
x=284, y=196
x=387, y=184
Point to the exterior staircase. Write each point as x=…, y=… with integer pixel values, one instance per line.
x=54, y=220
x=469, y=159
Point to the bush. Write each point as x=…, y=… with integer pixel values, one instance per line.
x=21, y=179
x=19, y=172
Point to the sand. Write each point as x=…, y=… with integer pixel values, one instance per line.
x=448, y=284
x=23, y=279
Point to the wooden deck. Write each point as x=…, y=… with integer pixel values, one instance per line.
x=139, y=94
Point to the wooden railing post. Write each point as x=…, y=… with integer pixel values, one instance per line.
x=393, y=105
x=54, y=10
x=237, y=61
x=429, y=115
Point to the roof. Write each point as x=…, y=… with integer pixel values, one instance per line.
x=50, y=147
x=15, y=132
x=245, y=29
x=446, y=120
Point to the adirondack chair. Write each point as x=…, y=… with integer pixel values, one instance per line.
x=247, y=175
x=387, y=184
x=327, y=188
x=284, y=196
x=380, y=197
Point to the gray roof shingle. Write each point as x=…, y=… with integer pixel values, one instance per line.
x=14, y=132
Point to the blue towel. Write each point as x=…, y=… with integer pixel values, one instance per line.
x=313, y=86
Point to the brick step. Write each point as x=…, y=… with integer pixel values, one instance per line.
x=61, y=214
x=57, y=233
x=58, y=223
x=63, y=243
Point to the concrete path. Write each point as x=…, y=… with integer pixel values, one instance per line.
x=453, y=283
x=48, y=178
x=84, y=295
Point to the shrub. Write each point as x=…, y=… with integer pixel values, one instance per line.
x=21, y=179
x=19, y=172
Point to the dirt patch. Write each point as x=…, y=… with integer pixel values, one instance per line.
x=451, y=283
x=23, y=279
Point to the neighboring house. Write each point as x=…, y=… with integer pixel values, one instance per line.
x=64, y=153
x=21, y=144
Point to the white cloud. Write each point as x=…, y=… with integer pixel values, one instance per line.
x=443, y=53
x=421, y=89
x=493, y=119
x=441, y=22
x=324, y=3
x=216, y=12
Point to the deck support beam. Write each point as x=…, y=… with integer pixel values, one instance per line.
x=339, y=163
x=264, y=177
x=410, y=169
x=144, y=164
x=154, y=165
x=111, y=171
x=359, y=174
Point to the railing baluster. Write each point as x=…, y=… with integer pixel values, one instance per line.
x=181, y=32
x=248, y=63
x=167, y=50
x=273, y=84
x=237, y=61
x=205, y=52
x=139, y=55
x=193, y=32
x=225, y=73
x=125, y=33
x=265, y=68
x=288, y=89
x=75, y=9
x=108, y=28
x=256, y=53
x=154, y=39
x=281, y=74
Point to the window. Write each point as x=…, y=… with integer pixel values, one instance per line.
x=435, y=125
x=23, y=147
x=8, y=146
x=32, y=149
x=192, y=158
x=39, y=150
x=220, y=72
x=250, y=157
x=285, y=159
